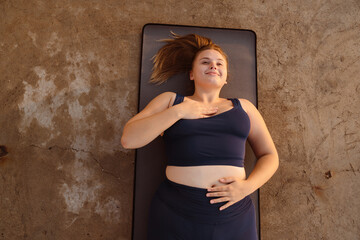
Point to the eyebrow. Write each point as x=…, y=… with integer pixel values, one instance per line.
x=209, y=58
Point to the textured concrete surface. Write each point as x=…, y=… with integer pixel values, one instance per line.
x=69, y=82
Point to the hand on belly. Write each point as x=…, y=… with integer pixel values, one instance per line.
x=233, y=191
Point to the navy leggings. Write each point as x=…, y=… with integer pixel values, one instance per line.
x=180, y=212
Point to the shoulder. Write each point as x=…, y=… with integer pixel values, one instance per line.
x=167, y=94
x=160, y=102
x=255, y=117
x=165, y=98
x=247, y=105
x=157, y=104
x=169, y=97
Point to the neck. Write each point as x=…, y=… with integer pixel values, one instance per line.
x=206, y=97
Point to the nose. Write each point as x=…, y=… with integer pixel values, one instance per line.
x=213, y=66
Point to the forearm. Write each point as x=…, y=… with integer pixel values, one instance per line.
x=138, y=133
x=264, y=169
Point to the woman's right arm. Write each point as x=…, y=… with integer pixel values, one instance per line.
x=155, y=118
x=158, y=116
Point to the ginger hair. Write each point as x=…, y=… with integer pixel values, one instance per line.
x=178, y=54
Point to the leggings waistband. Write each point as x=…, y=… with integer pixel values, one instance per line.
x=192, y=202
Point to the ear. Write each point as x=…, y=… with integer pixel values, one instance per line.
x=191, y=75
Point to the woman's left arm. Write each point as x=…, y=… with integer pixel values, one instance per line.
x=263, y=147
x=266, y=165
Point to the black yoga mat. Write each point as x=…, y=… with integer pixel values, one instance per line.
x=150, y=162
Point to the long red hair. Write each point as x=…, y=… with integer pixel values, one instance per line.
x=178, y=55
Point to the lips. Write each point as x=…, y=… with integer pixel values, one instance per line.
x=212, y=73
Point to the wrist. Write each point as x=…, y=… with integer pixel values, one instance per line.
x=178, y=111
x=251, y=186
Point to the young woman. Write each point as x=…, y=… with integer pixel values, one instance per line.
x=206, y=193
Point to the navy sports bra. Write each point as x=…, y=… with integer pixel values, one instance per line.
x=215, y=140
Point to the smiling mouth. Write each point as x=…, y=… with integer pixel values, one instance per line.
x=212, y=73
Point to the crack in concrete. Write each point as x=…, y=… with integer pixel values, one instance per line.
x=278, y=59
x=317, y=147
x=80, y=150
x=351, y=169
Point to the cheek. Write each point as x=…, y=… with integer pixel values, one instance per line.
x=224, y=75
x=197, y=71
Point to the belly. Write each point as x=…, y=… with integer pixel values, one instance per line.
x=203, y=176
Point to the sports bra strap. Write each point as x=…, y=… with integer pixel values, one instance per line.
x=178, y=99
x=236, y=102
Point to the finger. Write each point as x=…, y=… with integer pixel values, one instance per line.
x=217, y=200
x=218, y=189
x=226, y=206
x=217, y=194
x=209, y=113
x=227, y=179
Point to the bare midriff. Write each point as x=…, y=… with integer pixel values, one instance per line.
x=203, y=176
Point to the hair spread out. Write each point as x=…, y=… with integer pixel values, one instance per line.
x=178, y=54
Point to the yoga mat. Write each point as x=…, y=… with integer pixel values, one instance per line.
x=150, y=161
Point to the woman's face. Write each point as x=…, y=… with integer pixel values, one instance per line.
x=209, y=68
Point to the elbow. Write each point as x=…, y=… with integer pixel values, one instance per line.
x=129, y=143
x=276, y=160
x=273, y=160
x=125, y=143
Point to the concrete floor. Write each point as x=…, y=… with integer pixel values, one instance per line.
x=69, y=82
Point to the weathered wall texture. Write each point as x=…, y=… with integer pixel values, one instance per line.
x=69, y=82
